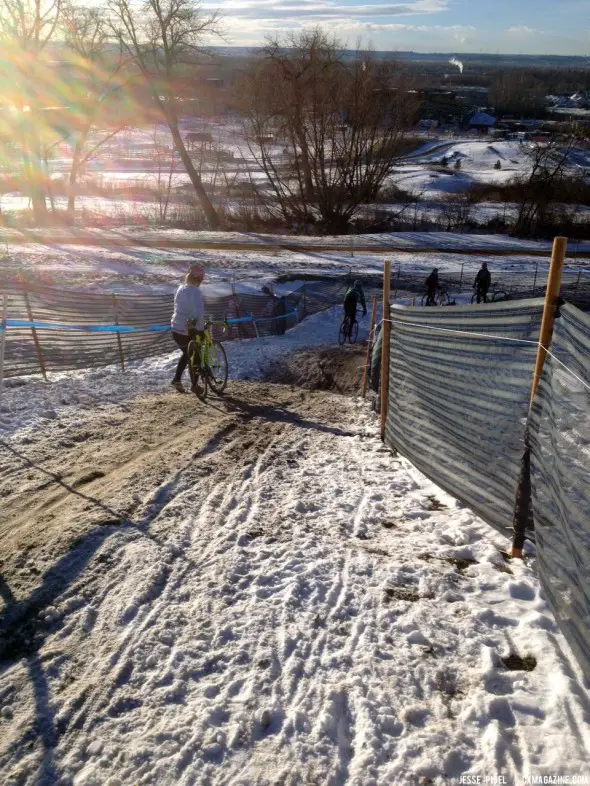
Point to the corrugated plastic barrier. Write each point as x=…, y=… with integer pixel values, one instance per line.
x=460, y=381
x=61, y=329
x=559, y=436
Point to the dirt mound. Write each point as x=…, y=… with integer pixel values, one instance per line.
x=338, y=369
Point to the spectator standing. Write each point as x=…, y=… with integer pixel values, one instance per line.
x=482, y=283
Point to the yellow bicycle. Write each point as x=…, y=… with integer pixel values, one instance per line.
x=207, y=360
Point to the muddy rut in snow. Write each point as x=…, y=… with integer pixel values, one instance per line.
x=67, y=489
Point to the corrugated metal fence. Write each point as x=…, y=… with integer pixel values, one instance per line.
x=459, y=400
x=559, y=436
x=49, y=329
x=458, y=408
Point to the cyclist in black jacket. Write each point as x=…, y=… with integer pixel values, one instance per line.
x=351, y=301
x=482, y=283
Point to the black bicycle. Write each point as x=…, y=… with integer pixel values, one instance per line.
x=440, y=299
x=494, y=297
x=349, y=330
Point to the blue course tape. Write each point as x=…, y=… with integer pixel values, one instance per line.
x=22, y=323
x=26, y=324
x=281, y=316
x=237, y=320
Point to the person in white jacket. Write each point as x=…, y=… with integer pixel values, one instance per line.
x=188, y=304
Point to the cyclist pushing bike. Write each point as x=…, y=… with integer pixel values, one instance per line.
x=432, y=287
x=351, y=301
x=189, y=306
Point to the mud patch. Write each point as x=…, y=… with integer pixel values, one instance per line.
x=514, y=662
x=402, y=593
x=432, y=503
x=338, y=369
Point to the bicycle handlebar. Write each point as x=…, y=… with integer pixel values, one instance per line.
x=191, y=323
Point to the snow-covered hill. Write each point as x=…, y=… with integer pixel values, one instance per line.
x=256, y=591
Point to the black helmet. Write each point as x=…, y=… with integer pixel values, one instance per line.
x=357, y=284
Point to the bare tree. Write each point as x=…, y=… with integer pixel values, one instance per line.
x=165, y=165
x=99, y=73
x=541, y=188
x=163, y=37
x=26, y=27
x=327, y=131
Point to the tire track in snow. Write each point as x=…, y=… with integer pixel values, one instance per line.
x=277, y=650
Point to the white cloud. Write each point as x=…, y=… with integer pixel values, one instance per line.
x=317, y=10
x=252, y=31
x=523, y=30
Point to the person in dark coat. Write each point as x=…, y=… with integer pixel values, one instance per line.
x=482, y=283
x=432, y=286
x=353, y=296
x=280, y=312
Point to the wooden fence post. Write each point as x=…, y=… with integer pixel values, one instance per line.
x=369, y=346
x=119, y=341
x=385, y=334
x=551, y=295
x=399, y=269
x=2, y=340
x=578, y=281
x=535, y=279
x=461, y=279
x=40, y=357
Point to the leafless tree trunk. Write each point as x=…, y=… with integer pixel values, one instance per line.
x=100, y=73
x=26, y=27
x=161, y=37
x=165, y=169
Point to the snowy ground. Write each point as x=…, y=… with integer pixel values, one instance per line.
x=412, y=241
x=478, y=159
x=140, y=158
x=256, y=591
x=28, y=405
x=128, y=267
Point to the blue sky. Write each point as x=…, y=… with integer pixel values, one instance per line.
x=506, y=26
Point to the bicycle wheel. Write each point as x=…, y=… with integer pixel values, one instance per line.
x=342, y=333
x=198, y=380
x=353, y=332
x=499, y=295
x=474, y=297
x=443, y=299
x=424, y=300
x=217, y=368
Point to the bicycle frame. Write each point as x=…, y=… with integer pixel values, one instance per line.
x=205, y=342
x=347, y=323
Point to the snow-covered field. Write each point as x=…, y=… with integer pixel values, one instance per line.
x=256, y=591
x=141, y=158
x=131, y=261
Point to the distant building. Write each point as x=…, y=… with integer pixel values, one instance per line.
x=481, y=121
